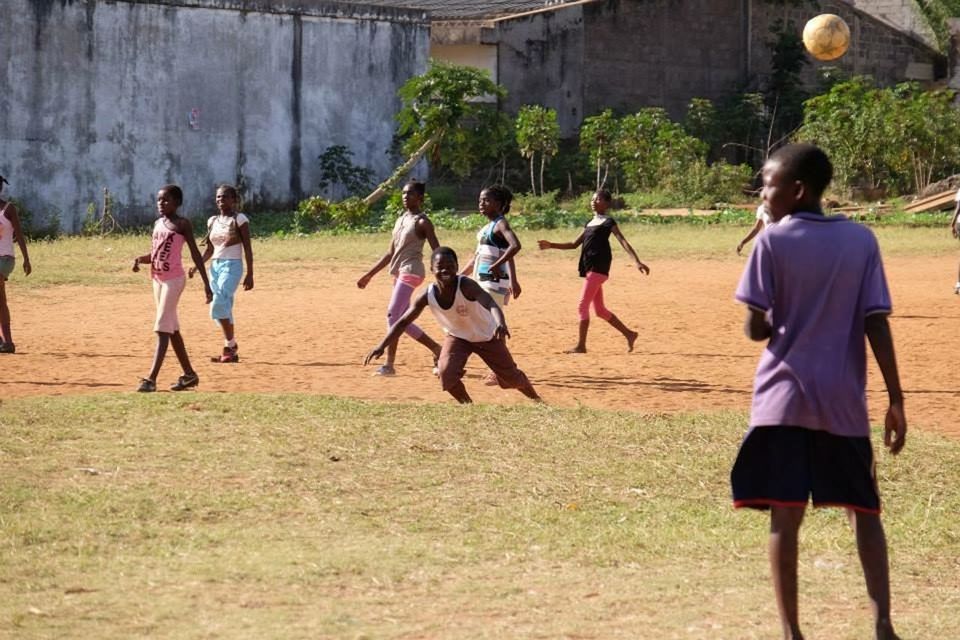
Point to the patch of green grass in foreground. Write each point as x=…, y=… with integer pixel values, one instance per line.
x=291, y=516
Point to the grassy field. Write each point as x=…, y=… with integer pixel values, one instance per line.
x=108, y=260
x=296, y=516
x=289, y=516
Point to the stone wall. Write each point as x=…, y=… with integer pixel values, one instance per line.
x=129, y=96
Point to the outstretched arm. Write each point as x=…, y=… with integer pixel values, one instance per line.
x=411, y=314
x=750, y=235
x=877, y=328
x=629, y=249
x=380, y=264
x=546, y=244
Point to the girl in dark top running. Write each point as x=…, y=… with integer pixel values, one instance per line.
x=595, y=259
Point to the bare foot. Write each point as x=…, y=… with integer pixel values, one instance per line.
x=631, y=338
x=576, y=349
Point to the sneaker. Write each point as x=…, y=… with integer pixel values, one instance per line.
x=956, y=290
x=385, y=370
x=185, y=381
x=7, y=347
x=491, y=380
x=147, y=386
x=229, y=355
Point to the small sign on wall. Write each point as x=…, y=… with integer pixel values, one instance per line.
x=194, y=118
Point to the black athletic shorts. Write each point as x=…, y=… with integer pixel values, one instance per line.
x=786, y=466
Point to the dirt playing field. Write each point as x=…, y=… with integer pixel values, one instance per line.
x=306, y=330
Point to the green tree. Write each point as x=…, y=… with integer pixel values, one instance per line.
x=434, y=105
x=925, y=142
x=851, y=123
x=652, y=147
x=337, y=169
x=537, y=132
x=900, y=138
x=599, y=135
x=484, y=139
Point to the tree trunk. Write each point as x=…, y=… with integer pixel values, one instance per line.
x=384, y=188
x=543, y=163
x=533, y=184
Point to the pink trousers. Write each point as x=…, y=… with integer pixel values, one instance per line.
x=593, y=294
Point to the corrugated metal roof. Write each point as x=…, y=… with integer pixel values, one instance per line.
x=467, y=10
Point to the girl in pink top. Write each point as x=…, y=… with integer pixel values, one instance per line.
x=170, y=233
x=10, y=232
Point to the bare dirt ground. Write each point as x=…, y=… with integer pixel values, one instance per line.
x=307, y=330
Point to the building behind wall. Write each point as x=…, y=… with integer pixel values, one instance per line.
x=582, y=56
x=131, y=94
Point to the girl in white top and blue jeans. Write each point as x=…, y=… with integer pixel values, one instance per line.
x=228, y=243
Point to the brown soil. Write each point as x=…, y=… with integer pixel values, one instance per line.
x=307, y=331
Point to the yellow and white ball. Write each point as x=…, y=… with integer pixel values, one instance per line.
x=826, y=37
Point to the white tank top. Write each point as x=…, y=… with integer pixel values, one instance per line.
x=465, y=319
x=6, y=232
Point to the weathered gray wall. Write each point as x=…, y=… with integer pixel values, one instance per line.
x=629, y=54
x=99, y=94
x=541, y=62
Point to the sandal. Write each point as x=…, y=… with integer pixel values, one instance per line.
x=185, y=381
x=147, y=386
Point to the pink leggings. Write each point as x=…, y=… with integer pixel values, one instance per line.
x=593, y=294
x=403, y=288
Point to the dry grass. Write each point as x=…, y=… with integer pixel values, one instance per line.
x=106, y=261
x=245, y=516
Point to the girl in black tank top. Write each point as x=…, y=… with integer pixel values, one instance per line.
x=595, y=260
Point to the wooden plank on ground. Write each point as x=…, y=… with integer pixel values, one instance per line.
x=937, y=202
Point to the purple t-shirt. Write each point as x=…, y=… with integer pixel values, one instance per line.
x=818, y=278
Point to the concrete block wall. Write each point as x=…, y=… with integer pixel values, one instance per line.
x=902, y=14
x=130, y=95
x=540, y=61
x=629, y=54
x=876, y=49
x=661, y=53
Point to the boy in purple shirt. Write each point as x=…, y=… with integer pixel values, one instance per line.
x=814, y=288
